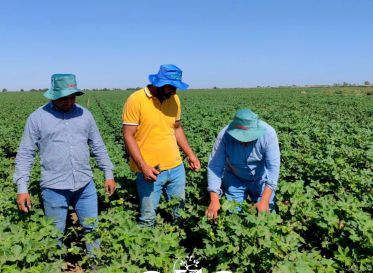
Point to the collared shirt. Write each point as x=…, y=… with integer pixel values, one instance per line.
x=155, y=133
x=259, y=161
x=63, y=140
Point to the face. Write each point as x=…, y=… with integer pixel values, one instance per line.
x=166, y=91
x=65, y=104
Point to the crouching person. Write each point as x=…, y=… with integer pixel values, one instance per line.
x=245, y=161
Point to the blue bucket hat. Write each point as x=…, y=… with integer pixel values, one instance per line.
x=168, y=74
x=245, y=126
x=63, y=85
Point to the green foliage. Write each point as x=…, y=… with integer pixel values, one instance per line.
x=323, y=220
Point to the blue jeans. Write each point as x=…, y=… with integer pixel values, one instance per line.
x=84, y=201
x=172, y=181
x=239, y=189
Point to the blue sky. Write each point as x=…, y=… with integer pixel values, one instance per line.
x=237, y=43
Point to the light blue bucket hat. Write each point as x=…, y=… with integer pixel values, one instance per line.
x=168, y=74
x=245, y=126
x=62, y=85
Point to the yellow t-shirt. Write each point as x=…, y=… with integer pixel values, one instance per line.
x=155, y=133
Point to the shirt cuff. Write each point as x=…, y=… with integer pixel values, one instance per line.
x=272, y=186
x=22, y=188
x=218, y=191
x=109, y=174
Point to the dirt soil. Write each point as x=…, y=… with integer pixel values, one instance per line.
x=70, y=268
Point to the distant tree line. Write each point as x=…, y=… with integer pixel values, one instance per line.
x=366, y=83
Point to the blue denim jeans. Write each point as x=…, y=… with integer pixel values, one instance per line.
x=84, y=201
x=172, y=181
x=239, y=189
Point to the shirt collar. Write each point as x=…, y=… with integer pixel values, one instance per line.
x=147, y=92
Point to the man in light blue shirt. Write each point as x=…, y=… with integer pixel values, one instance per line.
x=63, y=132
x=245, y=161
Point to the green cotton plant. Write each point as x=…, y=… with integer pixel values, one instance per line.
x=301, y=262
x=324, y=207
x=29, y=245
x=122, y=239
x=245, y=241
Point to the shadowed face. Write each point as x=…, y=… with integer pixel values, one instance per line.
x=245, y=144
x=65, y=104
x=166, y=91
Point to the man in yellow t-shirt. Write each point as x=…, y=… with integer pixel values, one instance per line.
x=153, y=134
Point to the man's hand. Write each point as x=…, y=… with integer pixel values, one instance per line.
x=150, y=173
x=194, y=163
x=262, y=206
x=24, y=202
x=110, y=186
x=212, y=210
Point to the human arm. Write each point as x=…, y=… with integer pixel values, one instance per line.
x=214, y=206
x=149, y=172
x=23, y=202
x=215, y=172
x=102, y=158
x=24, y=161
x=272, y=165
x=272, y=159
x=263, y=204
x=182, y=141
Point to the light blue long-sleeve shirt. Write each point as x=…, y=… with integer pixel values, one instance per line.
x=64, y=140
x=259, y=161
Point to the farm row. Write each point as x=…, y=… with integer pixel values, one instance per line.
x=324, y=201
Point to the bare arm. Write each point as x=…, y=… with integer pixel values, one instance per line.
x=212, y=210
x=149, y=172
x=263, y=204
x=182, y=141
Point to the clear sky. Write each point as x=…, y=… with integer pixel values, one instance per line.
x=223, y=43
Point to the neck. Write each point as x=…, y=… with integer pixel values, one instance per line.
x=61, y=110
x=152, y=89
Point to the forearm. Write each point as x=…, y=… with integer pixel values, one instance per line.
x=24, y=162
x=26, y=155
x=266, y=196
x=272, y=160
x=133, y=149
x=102, y=157
x=214, y=197
x=182, y=141
x=214, y=180
x=99, y=150
x=273, y=173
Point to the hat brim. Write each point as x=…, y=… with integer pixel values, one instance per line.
x=162, y=82
x=245, y=135
x=63, y=93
